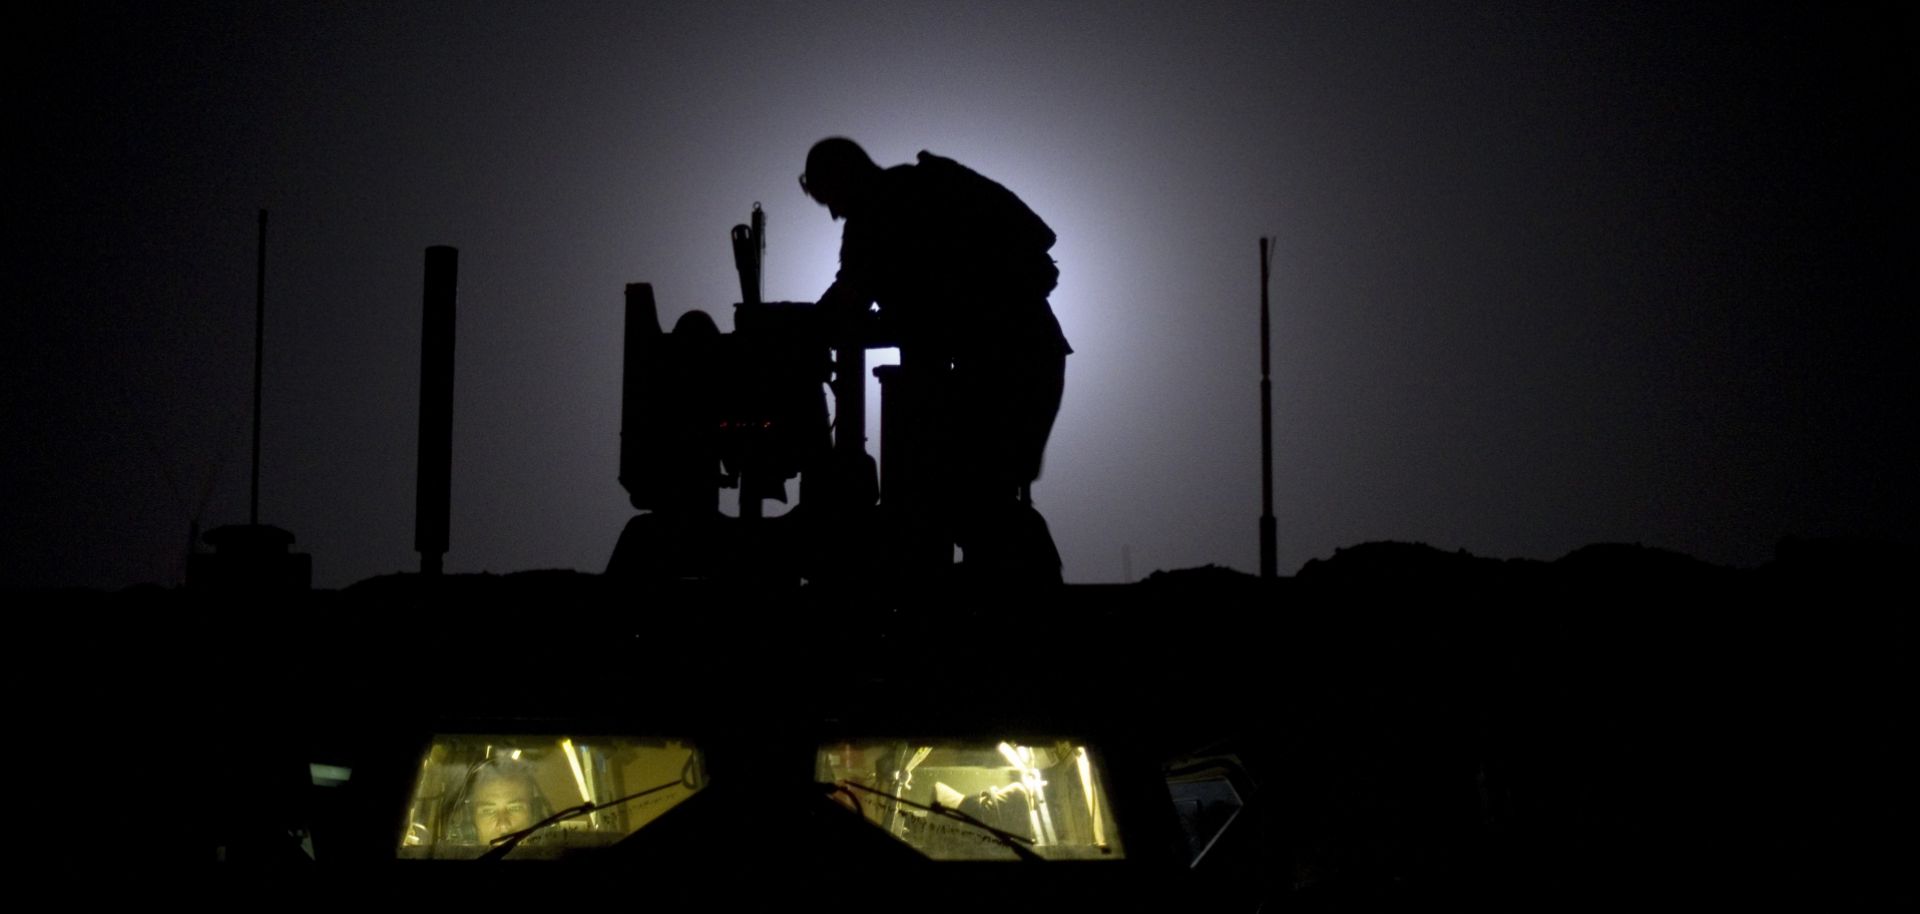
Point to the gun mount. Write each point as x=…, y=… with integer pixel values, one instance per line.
x=704, y=410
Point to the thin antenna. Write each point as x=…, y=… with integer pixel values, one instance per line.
x=1269, y=561
x=259, y=348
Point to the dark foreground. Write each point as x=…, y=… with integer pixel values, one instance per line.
x=1404, y=728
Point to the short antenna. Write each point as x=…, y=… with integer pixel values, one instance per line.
x=259, y=349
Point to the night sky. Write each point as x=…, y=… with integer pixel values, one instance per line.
x=1546, y=274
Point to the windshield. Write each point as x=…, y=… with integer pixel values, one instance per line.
x=977, y=800
x=477, y=793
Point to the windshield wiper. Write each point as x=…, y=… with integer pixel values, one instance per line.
x=505, y=844
x=1019, y=844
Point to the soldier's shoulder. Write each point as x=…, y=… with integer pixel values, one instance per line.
x=929, y=163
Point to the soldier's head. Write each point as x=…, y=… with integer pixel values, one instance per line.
x=839, y=175
x=504, y=798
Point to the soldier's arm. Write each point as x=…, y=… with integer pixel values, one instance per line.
x=844, y=300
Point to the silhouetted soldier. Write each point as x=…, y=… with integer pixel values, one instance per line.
x=959, y=268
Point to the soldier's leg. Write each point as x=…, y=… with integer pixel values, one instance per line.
x=1004, y=412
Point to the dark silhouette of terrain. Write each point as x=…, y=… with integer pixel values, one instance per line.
x=1414, y=726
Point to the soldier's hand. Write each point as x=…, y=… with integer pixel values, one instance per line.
x=994, y=796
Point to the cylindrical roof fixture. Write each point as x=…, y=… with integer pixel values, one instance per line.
x=434, y=496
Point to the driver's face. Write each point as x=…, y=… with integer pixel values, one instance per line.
x=502, y=806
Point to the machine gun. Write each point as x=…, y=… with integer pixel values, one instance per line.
x=703, y=410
